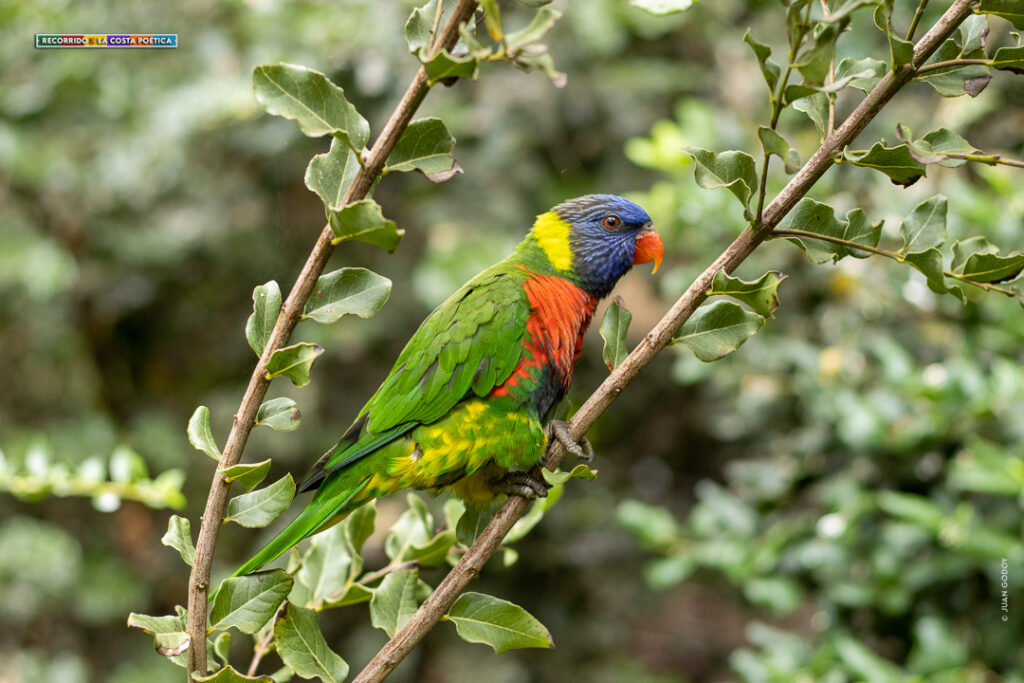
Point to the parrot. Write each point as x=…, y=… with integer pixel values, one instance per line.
x=464, y=406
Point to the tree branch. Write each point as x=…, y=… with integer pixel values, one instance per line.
x=213, y=515
x=490, y=540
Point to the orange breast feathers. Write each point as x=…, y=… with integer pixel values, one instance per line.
x=560, y=313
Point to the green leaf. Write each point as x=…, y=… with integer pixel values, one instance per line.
x=972, y=33
x=229, y=675
x=1011, y=10
x=846, y=9
x=444, y=65
x=222, y=646
x=895, y=162
x=933, y=147
x=524, y=51
x=266, y=306
x=901, y=51
x=1009, y=58
x=414, y=528
x=364, y=221
x=542, y=22
x=169, y=635
x=354, y=595
x=361, y=523
x=311, y=100
x=816, y=108
x=327, y=567
x=956, y=80
x=394, y=601
x=293, y=362
x=798, y=91
x=813, y=63
x=419, y=27
x=731, y=170
x=419, y=36
x=280, y=414
x=988, y=267
x=355, y=291
x=261, y=507
x=472, y=523
x=814, y=217
x=179, y=537
x=925, y=227
x=503, y=625
x=330, y=174
x=716, y=330
x=773, y=143
x=614, y=327
x=862, y=74
x=556, y=478
x=660, y=8
x=302, y=647
x=492, y=19
x=929, y=264
x=434, y=552
x=962, y=250
x=769, y=68
x=249, y=602
x=425, y=146
x=582, y=471
x=762, y=294
x=249, y=475
x=200, y=435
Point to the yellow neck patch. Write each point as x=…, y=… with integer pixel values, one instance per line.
x=552, y=234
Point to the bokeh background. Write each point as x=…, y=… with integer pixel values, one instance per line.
x=835, y=501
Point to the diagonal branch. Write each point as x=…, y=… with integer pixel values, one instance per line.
x=490, y=540
x=213, y=516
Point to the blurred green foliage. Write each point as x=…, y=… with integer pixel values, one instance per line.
x=831, y=502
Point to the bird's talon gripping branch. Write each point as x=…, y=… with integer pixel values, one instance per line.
x=582, y=449
x=522, y=484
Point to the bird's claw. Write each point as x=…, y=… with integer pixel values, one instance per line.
x=581, y=449
x=522, y=484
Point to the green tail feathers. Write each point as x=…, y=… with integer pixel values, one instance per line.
x=331, y=499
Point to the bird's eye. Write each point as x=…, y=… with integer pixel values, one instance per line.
x=612, y=222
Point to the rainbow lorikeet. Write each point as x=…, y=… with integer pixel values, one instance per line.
x=463, y=407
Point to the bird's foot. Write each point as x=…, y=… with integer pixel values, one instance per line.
x=582, y=449
x=523, y=484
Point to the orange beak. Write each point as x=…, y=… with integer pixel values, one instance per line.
x=649, y=247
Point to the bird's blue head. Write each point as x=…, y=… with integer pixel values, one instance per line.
x=596, y=238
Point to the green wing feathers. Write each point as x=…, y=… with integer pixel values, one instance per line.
x=471, y=342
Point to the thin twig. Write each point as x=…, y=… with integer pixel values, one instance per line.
x=490, y=540
x=952, y=63
x=837, y=240
x=213, y=515
x=916, y=20
x=261, y=648
x=990, y=159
